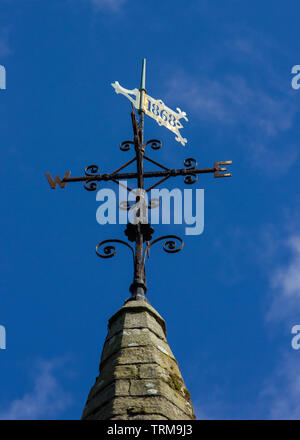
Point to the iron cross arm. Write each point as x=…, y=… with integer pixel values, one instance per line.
x=92, y=176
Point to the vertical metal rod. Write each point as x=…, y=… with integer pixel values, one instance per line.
x=142, y=86
x=138, y=288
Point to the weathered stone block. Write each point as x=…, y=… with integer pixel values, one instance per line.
x=156, y=387
x=137, y=314
x=140, y=417
x=125, y=372
x=149, y=371
x=134, y=338
x=136, y=320
x=117, y=388
x=152, y=405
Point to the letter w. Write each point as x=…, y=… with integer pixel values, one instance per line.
x=57, y=180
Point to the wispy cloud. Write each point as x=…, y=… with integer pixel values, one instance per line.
x=278, y=398
x=253, y=107
x=281, y=391
x=285, y=283
x=260, y=116
x=278, y=395
x=233, y=101
x=47, y=398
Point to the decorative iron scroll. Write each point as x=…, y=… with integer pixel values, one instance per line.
x=154, y=144
x=125, y=205
x=125, y=146
x=91, y=171
x=110, y=251
x=191, y=164
x=170, y=245
x=153, y=203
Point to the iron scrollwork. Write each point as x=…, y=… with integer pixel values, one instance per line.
x=91, y=171
x=125, y=205
x=191, y=164
x=125, y=146
x=190, y=179
x=153, y=203
x=172, y=245
x=154, y=144
x=110, y=251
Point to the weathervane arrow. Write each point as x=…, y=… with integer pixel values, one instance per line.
x=155, y=108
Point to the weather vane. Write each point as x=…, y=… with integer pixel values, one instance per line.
x=140, y=232
x=155, y=108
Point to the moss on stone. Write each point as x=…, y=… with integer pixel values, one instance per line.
x=175, y=382
x=187, y=394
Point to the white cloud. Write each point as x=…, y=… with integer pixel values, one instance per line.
x=281, y=392
x=279, y=395
x=232, y=101
x=47, y=398
x=256, y=109
x=279, y=398
x=285, y=284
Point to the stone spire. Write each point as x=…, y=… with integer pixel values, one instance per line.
x=139, y=376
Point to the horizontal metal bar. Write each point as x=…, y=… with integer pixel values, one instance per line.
x=119, y=176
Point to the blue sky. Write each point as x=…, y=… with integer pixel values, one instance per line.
x=231, y=297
